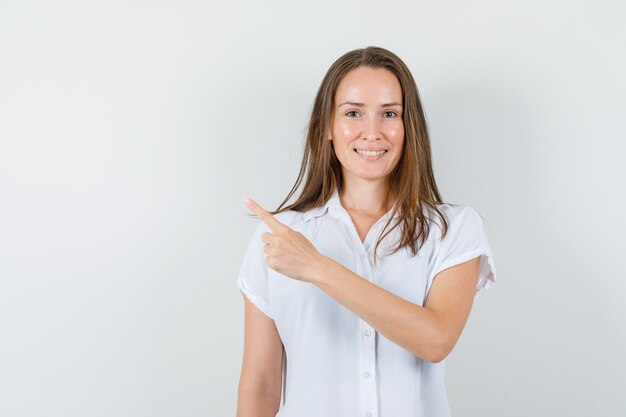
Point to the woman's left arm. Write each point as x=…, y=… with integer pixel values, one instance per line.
x=429, y=332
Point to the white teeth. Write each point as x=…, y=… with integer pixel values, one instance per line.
x=370, y=153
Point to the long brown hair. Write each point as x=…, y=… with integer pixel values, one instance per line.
x=412, y=181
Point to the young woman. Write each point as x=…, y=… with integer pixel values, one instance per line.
x=356, y=293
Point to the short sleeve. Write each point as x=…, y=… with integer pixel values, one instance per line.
x=465, y=240
x=252, y=279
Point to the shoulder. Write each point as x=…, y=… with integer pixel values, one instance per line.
x=453, y=211
x=457, y=216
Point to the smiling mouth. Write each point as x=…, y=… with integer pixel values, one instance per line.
x=370, y=153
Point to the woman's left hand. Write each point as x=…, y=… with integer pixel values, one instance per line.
x=289, y=252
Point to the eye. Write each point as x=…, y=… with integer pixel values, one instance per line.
x=351, y=111
x=392, y=112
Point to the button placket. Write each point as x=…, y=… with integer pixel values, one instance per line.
x=369, y=398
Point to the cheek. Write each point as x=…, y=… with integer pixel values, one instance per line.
x=347, y=128
x=396, y=134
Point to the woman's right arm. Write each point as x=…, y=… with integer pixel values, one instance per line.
x=260, y=381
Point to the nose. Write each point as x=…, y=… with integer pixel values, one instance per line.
x=371, y=130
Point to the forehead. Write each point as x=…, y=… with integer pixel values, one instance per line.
x=366, y=83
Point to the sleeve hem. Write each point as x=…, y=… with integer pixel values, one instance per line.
x=256, y=300
x=486, y=270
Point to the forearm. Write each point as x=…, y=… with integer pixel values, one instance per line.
x=409, y=325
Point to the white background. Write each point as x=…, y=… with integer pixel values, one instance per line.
x=130, y=131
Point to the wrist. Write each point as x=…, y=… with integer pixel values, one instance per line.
x=319, y=269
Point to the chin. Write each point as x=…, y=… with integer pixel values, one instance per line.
x=372, y=176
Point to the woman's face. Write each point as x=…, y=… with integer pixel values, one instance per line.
x=368, y=116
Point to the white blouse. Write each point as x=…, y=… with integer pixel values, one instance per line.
x=335, y=364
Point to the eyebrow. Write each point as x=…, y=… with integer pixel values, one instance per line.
x=352, y=103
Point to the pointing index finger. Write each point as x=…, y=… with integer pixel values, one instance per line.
x=267, y=218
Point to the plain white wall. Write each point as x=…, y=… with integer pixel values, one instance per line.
x=129, y=131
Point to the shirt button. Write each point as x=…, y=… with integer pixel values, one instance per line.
x=368, y=414
x=367, y=333
x=366, y=375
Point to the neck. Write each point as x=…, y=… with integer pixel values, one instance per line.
x=365, y=197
